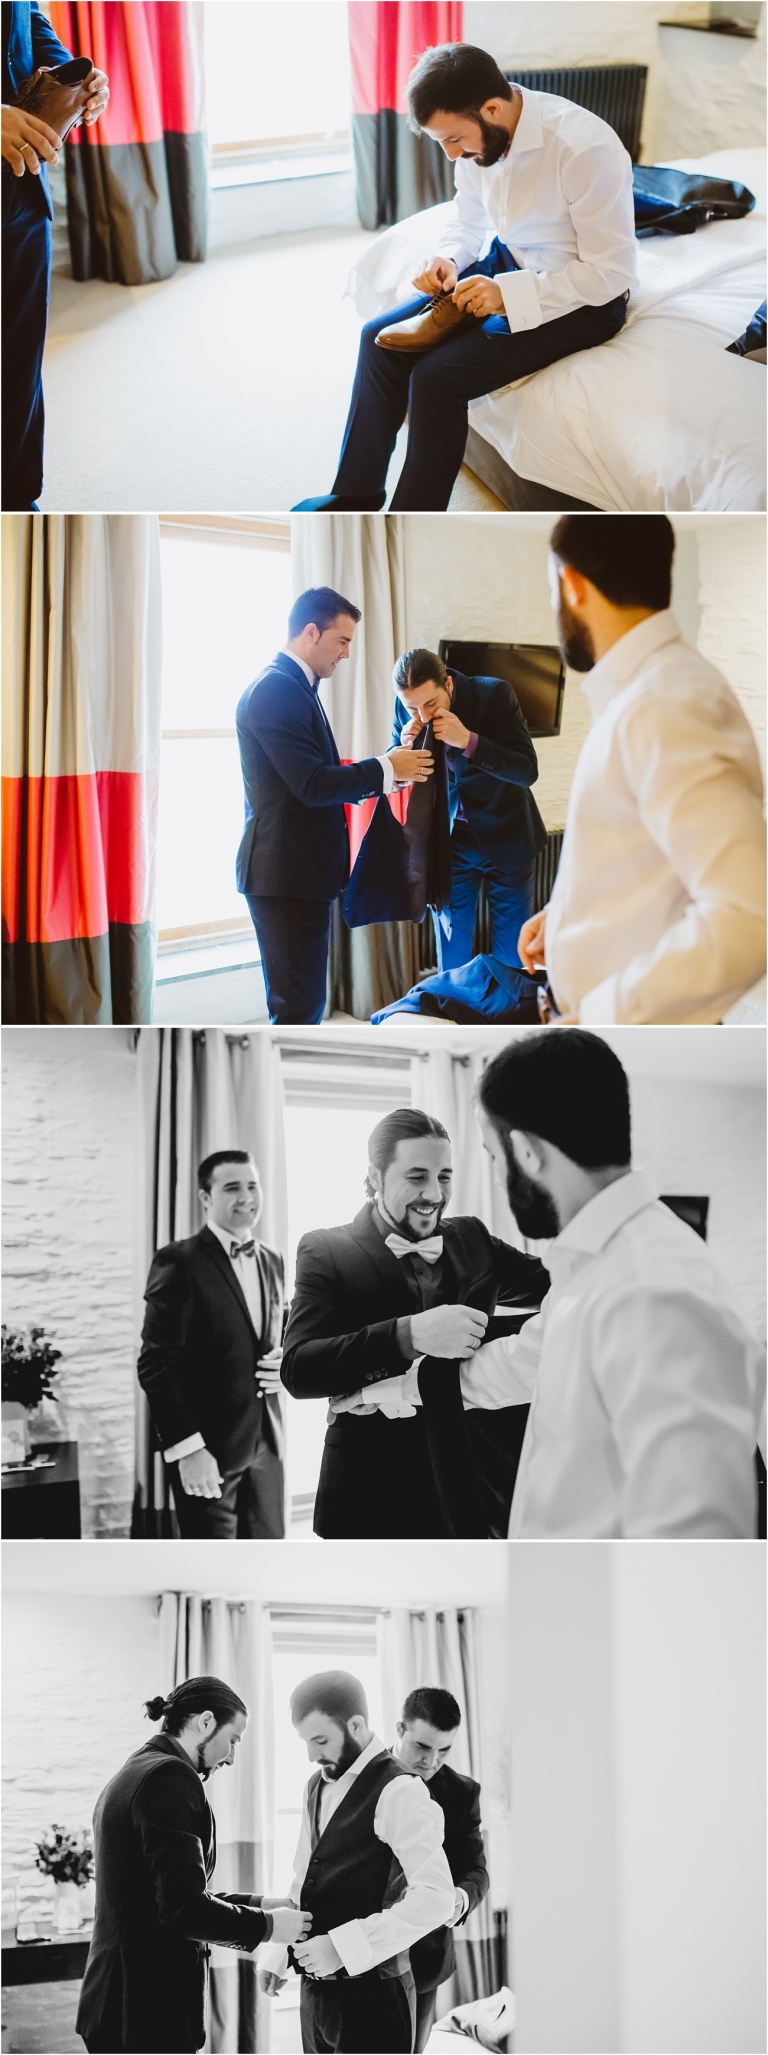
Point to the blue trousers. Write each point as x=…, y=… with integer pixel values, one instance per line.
x=510, y=902
x=293, y=941
x=434, y=390
x=26, y=281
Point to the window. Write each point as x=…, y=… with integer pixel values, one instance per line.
x=302, y=1643
x=332, y=1101
x=277, y=76
x=226, y=598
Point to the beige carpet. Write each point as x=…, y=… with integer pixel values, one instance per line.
x=225, y=388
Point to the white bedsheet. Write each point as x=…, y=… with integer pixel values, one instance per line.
x=662, y=417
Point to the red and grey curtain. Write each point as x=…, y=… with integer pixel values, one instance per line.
x=81, y=749
x=397, y=172
x=137, y=182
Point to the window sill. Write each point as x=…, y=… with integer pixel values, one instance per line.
x=280, y=170
x=176, y=965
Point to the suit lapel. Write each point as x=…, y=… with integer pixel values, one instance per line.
x=367, y=1236
x=319, y=714
x=211, y=1248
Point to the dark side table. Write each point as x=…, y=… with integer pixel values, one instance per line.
x=61, y=1959
x=44, y=1504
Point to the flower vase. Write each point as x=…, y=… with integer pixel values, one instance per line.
x=69, y=1908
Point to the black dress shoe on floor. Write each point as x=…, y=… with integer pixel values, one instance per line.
x=336, y=503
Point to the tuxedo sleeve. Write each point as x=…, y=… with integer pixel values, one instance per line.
x=509, y=753
x=471, y=1872
x=46, y=48
x=295, y=754
x=169, y=1822
x=164, y=1344
x=318, y=1360
x=521, y=1280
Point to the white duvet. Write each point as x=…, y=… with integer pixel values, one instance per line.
x=662, y=416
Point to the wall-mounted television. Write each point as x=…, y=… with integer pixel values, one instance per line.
x=534, y=670
x=693, y=1211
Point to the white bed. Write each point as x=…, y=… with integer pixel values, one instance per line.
x=662, y=417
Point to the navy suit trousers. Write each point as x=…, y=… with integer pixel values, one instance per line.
x=509, y=901
x=26, y=281
x=434, y=390
x=293, y=941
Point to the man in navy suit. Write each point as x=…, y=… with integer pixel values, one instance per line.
x=29, y=44
x=496, y=828
x=293, y=860
x=426, y=1732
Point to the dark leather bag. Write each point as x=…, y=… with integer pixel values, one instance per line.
x=671, y=202
x=58, y=96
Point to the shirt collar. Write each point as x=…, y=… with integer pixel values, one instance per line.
x=629, y=655
x=309, y=675
x=590, y=1230
x=225, y=1236
x=529, y=134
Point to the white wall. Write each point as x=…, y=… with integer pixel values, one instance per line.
x=704, y=92
x=638, y=1768
x=68, y=1156
x=468, y=577
x=709, y=1140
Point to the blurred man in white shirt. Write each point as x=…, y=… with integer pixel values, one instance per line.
x=658, y=908
x=645, y=1385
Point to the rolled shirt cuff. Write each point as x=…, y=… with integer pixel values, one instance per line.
x=471, y=746
x=463, y=1910
x=521, y=300
x=389, y=775
x=353, y=1946
x=599, y=1006
x=184, y=1448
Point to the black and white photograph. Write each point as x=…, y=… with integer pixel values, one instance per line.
x=369, y=1798
x=444, y=1284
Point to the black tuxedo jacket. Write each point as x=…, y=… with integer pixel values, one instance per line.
x=155, y=1849
x=433, y=1958
x=28, y=41
x=199, y=1350
x=401, y=1478
x=295, y=843
x=493, y=785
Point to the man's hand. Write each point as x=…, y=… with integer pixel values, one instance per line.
x=290, y=1925
x=268, y=1371
x=199, y=1474
x=271, y=1983
x=318, y=1956
x=448, y=728
x=531, y=941
x=98, y=95
x=478, y=296
x=27, y=142
x=411, y=766
x=438, y=275
x=453, y=1331
x=412, y=729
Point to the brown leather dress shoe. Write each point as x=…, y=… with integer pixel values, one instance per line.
x=58, y=96
x=437, y=323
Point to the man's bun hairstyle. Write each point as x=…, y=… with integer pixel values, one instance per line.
x=195, y=1695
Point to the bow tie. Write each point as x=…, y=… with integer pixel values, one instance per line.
x=431, y=1250
x=243, y=1249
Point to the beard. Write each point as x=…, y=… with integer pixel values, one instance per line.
x=495, y=142
x=577, y=647
x=350, y=1750
x=533, y=1207
x=409, y=1232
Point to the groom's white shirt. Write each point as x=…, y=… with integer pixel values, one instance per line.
x=412, y=1825
x=646, y=1387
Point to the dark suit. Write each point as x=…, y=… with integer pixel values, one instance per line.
x=433, y=1958
x=145, y=1983
x=28, y=41
x=496, y=828
x=197, y=1365
x=402, y=1478
x=293, y=859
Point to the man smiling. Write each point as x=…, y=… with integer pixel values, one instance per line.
x=549, y=186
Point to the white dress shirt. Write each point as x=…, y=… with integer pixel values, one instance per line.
x=645, y=1385
x=246, y=1270
x=412, y=1825
x=560, y=200
x=658, y=908
x=310, y=675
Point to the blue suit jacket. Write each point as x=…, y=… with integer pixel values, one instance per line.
x=493, y=785
x=295, y=843
x=28, y=41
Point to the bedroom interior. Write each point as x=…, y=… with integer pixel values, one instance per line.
x=218, y=343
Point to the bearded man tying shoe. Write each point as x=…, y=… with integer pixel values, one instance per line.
x=549, y=186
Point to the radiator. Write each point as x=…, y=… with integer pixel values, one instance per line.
x=614, y=91
x=544, y=874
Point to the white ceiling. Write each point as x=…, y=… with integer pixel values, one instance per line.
x=407, y=1573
